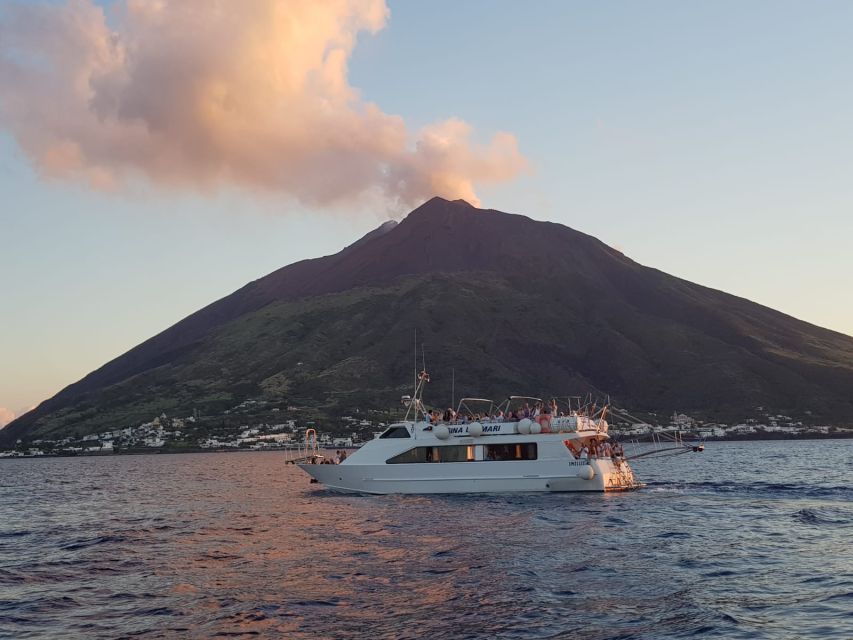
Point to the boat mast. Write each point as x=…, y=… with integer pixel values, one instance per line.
x=416, y=402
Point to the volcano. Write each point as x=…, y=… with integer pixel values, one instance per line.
x=501, y=303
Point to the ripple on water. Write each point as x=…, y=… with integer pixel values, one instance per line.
x=85, y=543
x=823, y=516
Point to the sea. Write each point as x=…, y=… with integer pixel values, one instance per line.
x=743, y=540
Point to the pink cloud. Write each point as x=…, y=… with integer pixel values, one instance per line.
x=200, y=94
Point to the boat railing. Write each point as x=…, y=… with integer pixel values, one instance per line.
x=306, y=451
x=553, y=427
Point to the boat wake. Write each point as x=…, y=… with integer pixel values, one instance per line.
x=756, y=489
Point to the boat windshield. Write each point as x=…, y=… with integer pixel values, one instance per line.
x=396, y=432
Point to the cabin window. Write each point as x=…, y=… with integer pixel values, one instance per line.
x=396, y=432
x=448, y=453
x=518, y=451
x=454, y=453
x=469, y=453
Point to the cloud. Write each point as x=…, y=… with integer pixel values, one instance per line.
x=203, y=94
x=6, y=416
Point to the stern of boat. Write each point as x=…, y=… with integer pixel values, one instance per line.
x=614, y=475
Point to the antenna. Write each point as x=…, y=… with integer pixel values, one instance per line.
x=452, y=387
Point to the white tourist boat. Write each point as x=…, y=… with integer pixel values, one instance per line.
x=495, y=454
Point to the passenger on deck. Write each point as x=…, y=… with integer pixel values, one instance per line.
x=617, y=454
x=337, y=458
x=343, y=455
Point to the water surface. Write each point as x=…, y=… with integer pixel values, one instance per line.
x=746, y=540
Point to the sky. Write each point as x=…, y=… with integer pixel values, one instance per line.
x=156, y=156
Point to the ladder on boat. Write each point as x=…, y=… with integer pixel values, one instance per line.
x=306, y=452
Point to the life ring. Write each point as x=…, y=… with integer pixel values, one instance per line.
x=545, y=422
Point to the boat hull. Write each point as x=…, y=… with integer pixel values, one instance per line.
x=597, y=475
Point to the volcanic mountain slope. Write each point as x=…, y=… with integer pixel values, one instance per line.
x=512, y=304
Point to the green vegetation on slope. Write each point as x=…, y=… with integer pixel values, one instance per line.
x=338, y=352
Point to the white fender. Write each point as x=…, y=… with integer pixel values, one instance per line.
x=586, y=472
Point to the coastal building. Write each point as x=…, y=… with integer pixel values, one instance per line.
x=682, y=421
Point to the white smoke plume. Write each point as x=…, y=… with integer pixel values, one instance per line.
x=203, y=94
